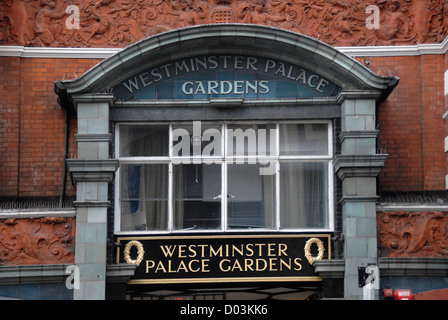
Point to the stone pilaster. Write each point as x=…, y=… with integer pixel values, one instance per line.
x=358, y=166
x=91, y=172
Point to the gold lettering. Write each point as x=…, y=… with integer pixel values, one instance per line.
x=192, y=250
x=202, y=246
x=227, y=269
x=248, y=264
x=273, y=264
x=298, y=264
x=250, y=250
x=205, y=266
x=240, y=251
x=148, y=266
x=182, y=251
x=160, y=267
x=271, y=249
x=237, y=265
x=169, y=267
x=182, y=266
x=260, y=248
x=191, y=267
x=286, y=264
x=258, y=267
x=282, y=251
x=215, y=253
x=168, y=251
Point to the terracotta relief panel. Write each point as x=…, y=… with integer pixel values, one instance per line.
x=118, y=23
x=413, y=234
x=37, y=241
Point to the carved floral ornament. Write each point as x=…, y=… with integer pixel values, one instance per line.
x=36, y=241
x=413, y=234
x=118, y=23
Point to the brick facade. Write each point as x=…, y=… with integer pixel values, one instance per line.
x=412, y=129
x=32, y=125
x=411, y=126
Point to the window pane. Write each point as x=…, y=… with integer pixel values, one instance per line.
x=197, y=200
x=144, y=196
x=251, y=197
x=251, y=140
x=197, y=139
x=303, y=139
x=143, y=140
x=303, y=195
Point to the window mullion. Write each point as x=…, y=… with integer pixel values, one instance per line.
x=224, y=190
x=170, y=198
x=277, y=179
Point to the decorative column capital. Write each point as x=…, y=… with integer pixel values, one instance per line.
x=92, y=170
x=359, y=165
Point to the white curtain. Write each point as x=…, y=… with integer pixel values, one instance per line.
x=144, y=187
x=303, y=194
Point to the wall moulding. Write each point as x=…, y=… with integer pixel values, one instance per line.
x=118, y=23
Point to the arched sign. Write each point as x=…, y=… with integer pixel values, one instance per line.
x=225, y=76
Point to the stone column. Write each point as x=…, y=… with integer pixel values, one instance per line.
x=91, y=172
x=358, y=166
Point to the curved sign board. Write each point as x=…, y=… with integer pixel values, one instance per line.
x=225, y=76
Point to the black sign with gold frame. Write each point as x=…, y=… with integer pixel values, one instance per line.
x=223, y=258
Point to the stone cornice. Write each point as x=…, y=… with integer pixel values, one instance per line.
x=103, y=53
x=92, y=170
x=359, y=165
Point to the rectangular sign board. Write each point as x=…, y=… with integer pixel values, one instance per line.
x=219, y=258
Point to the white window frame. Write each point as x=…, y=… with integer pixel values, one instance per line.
x=224, y=160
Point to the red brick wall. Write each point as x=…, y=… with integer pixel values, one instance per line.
x=412, y=129
x=32, y=125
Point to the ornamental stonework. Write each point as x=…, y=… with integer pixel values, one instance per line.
x=118, y=23
x=47, y=240
x=413, y=234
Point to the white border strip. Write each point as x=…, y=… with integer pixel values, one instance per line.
x=65, y=53
x=102, y=53
x=36, y=213
x=391, y=51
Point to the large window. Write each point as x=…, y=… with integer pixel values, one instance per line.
x=202, y=176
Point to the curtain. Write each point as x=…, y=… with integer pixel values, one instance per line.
x=303, y=194
x=145, y=186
